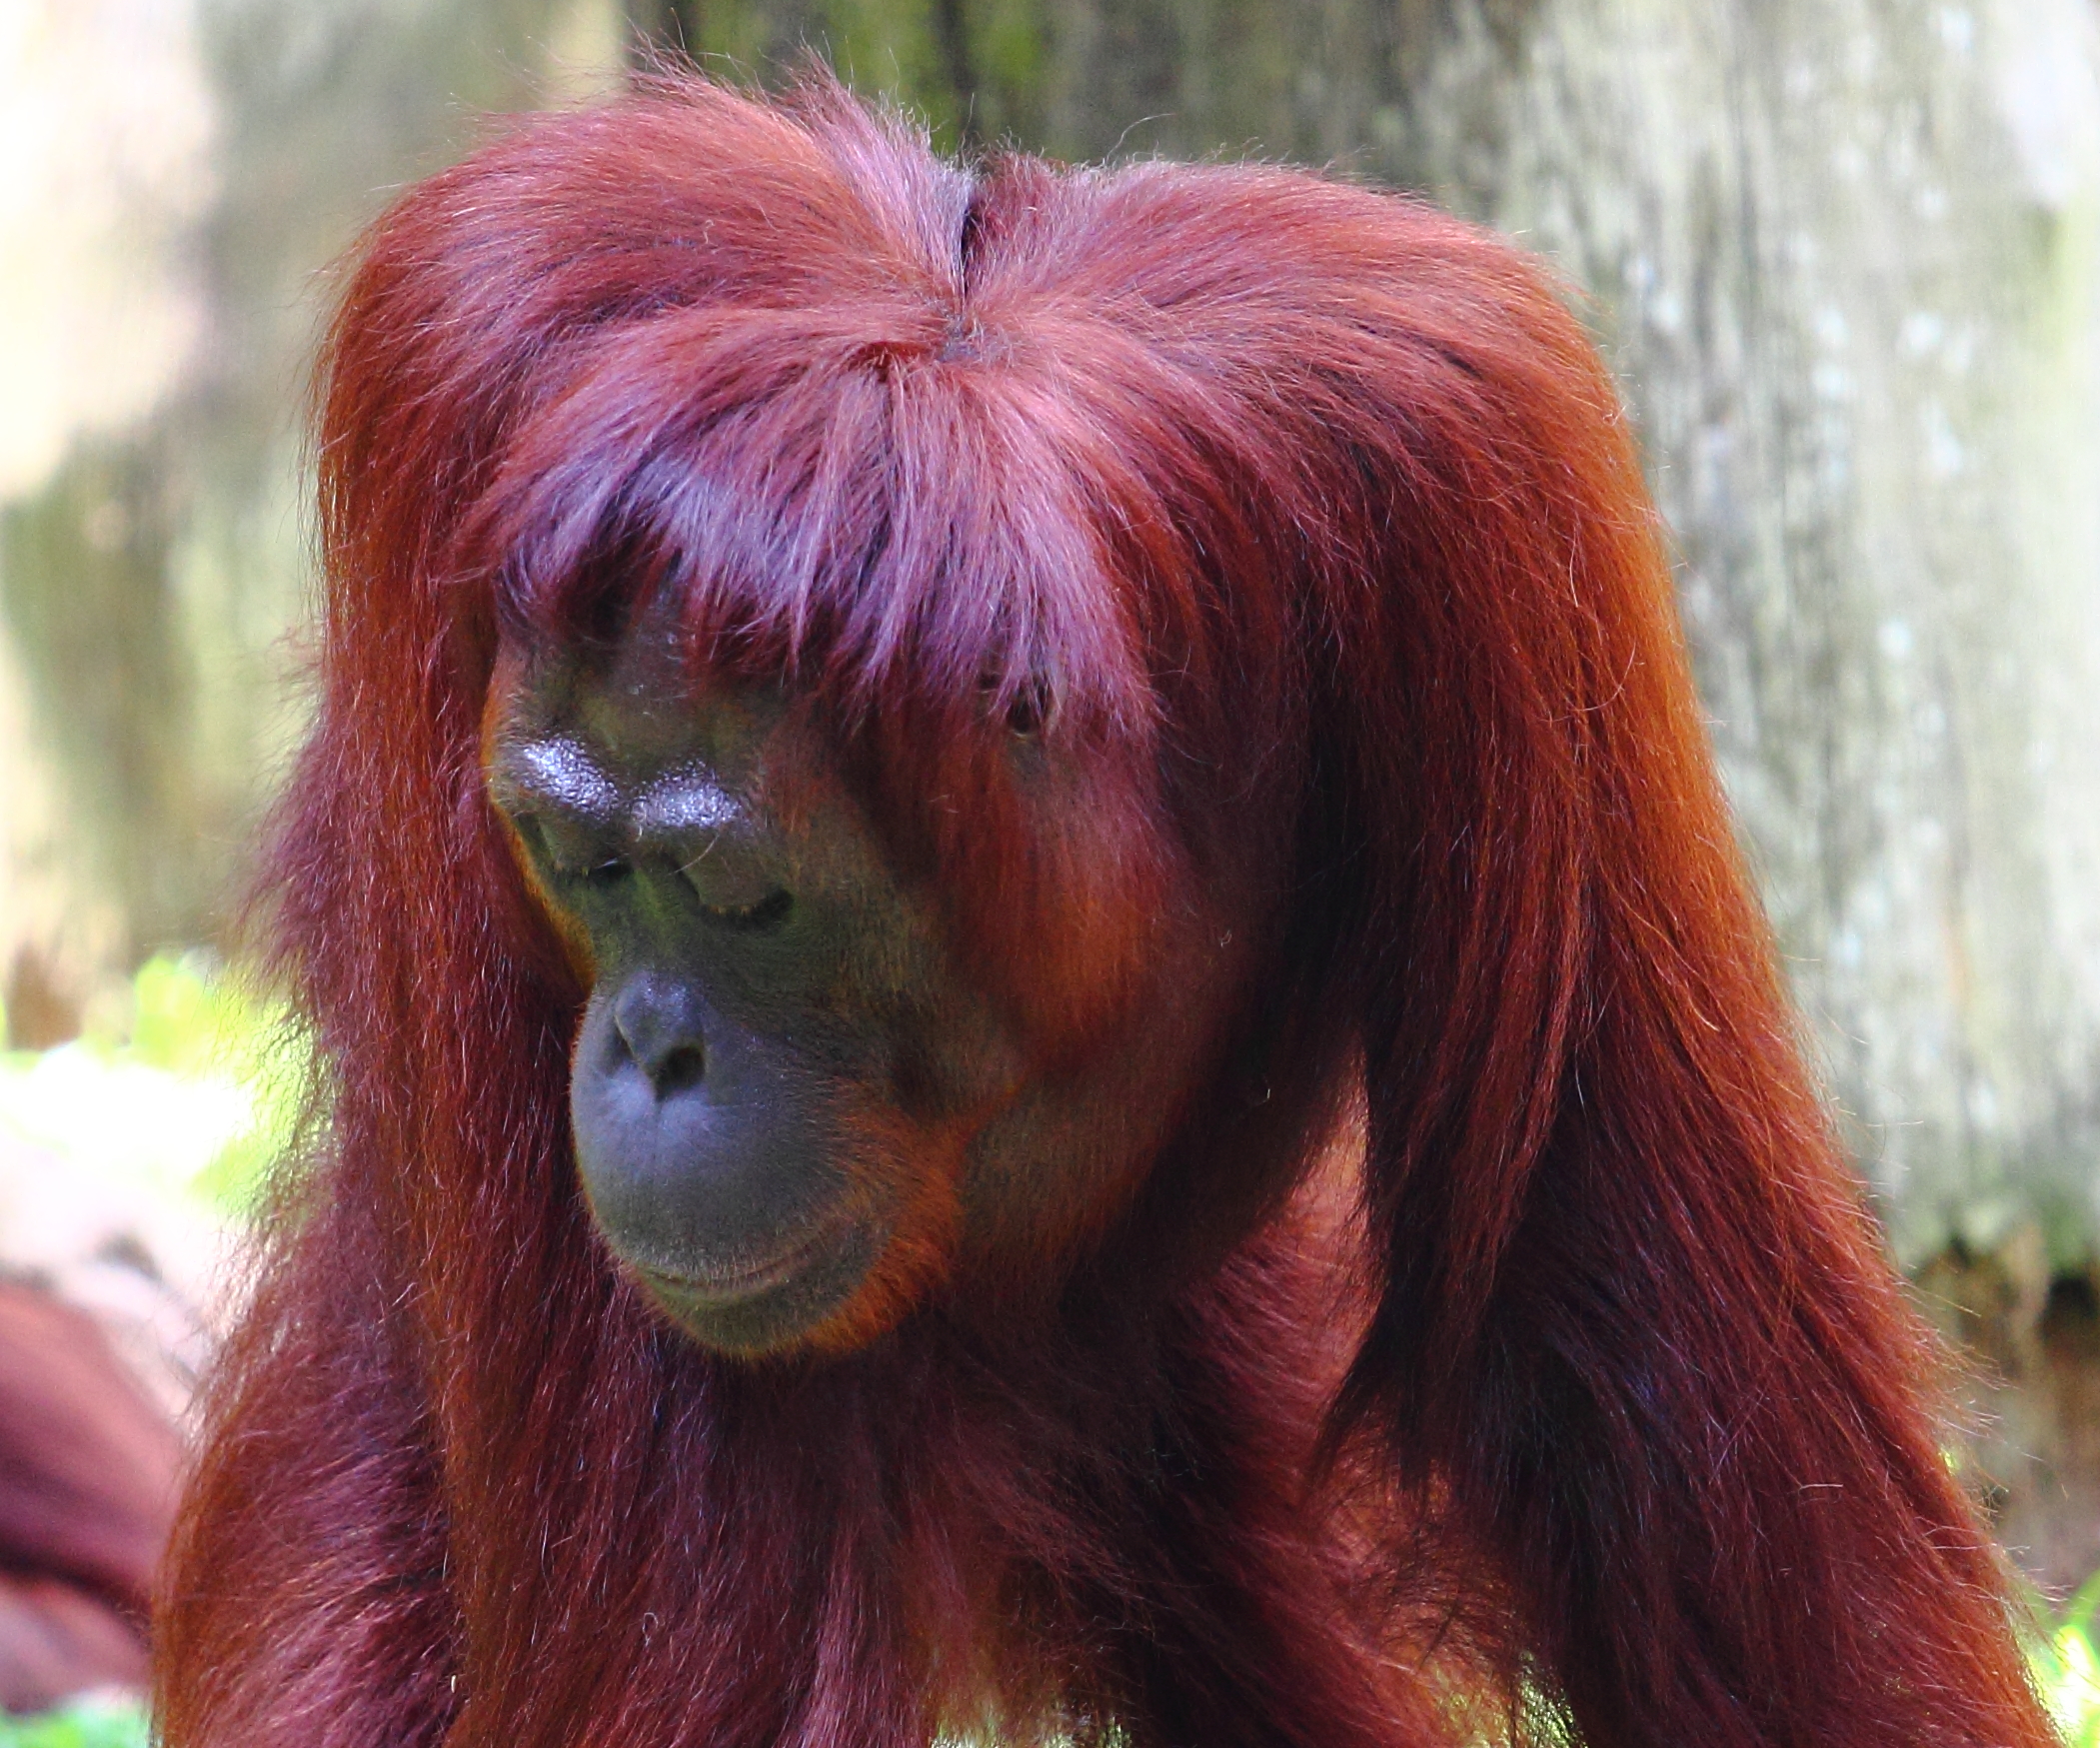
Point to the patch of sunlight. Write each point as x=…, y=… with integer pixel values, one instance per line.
x=86, y=1723
x=2066, y=1666
x=191, y=1103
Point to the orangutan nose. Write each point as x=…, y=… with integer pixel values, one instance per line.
x=658, y=1025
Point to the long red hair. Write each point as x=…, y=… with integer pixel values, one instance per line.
x=1266, y=481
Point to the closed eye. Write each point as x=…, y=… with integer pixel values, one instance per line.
x=567, y=856
x=1030, y=704
x=768, y=912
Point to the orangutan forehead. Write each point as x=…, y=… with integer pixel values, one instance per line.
x=814, y=533
x=842, y=490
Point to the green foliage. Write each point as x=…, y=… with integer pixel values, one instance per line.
x=2065, y=1658
x=975, y=71
x=191, y=1022
x=84, y=1724
x=194, y=1094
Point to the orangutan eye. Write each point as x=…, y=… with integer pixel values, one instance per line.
x=1026, y=713
x=734, y=889
x=1030, y=705
x=767, y=912
x=567, y=856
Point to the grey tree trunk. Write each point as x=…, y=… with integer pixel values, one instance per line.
x=1847, y=259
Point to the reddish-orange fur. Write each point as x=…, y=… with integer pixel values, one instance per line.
x=88, y=1467
x=1318, y=515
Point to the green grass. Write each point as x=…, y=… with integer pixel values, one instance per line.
x=2065, y=1658
x=87, y=1724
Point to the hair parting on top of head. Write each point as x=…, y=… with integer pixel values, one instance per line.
x=1220, y=468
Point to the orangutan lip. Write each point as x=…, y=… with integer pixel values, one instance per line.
x=734, y=1282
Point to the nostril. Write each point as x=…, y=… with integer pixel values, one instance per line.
x=654, y=1029
x=681, y=1068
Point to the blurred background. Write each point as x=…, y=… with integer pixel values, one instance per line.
x=1844, y=256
